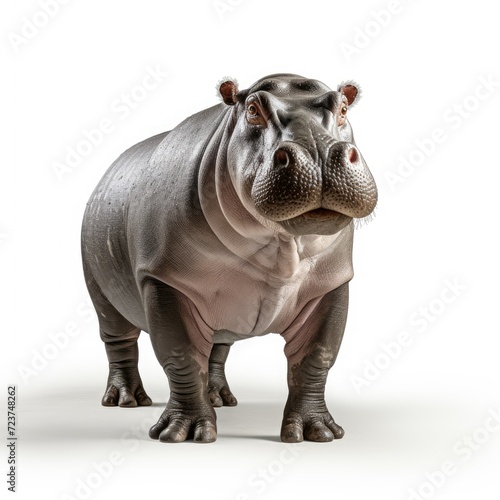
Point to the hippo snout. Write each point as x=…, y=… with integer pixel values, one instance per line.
x=348, y=185
x=317, y=185
x=289, y=185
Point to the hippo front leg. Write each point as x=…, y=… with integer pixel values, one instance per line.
x=306, y=415
x=183, y=352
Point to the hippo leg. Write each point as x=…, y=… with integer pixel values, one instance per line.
x=124, y=386
x=218, y=388
x=306, y=415
x=183, y=352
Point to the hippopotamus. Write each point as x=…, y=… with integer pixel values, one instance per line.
x=237, y=223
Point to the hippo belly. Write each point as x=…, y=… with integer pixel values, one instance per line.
x=237, y=300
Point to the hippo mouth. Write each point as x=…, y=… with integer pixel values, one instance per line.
x=318, y=221
x=321, y=214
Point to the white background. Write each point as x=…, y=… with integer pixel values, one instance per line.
x=439, y=223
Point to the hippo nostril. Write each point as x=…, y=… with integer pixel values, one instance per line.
x=352, y=154
x=282, y=158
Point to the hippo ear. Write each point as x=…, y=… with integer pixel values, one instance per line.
x=351, y=90
x=228, y=89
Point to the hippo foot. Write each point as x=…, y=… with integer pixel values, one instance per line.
x=219, y=392
x=177, y=424
x=311, y=425
x=124, y=388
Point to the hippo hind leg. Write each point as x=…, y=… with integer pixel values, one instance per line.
x=124, y=385
x=218, y=388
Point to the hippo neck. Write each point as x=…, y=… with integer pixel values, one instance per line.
x=266, y=246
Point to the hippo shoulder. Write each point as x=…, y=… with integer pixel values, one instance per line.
x=188, y=140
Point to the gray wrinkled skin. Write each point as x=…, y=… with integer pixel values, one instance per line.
x=237, y=223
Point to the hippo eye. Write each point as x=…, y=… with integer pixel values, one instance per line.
x=252, y=110
x=254, y=114
x=341, y=117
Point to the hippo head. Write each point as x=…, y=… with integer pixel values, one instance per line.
x=292, y=157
